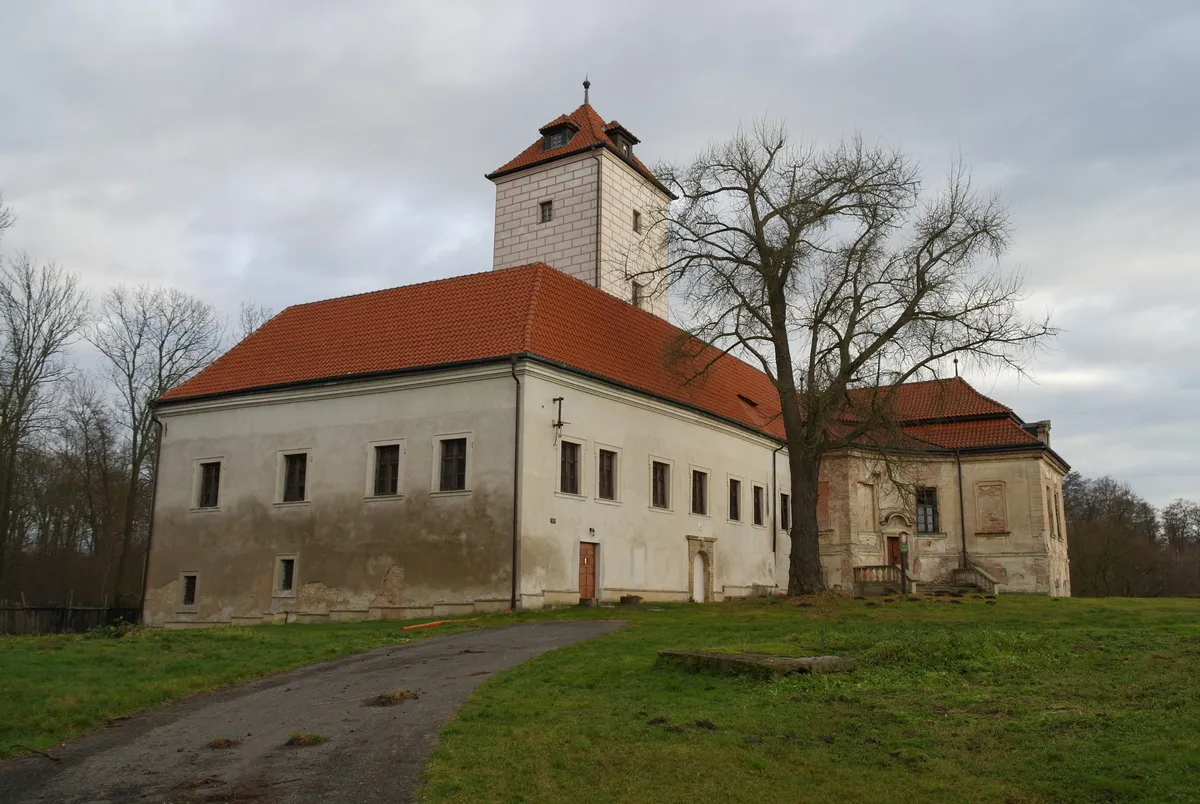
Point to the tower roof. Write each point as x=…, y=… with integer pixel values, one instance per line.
x=590, y=133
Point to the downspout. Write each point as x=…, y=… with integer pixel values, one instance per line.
x=516, y=522
x=962, y=511
x=775, y=503
x=153, y=499
x=599, y=200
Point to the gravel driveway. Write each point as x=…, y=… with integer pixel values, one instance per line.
x=371, y=753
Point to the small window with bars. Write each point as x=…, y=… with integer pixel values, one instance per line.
x=210, y=484
x=607, y=475
x=735, y=500
x=660, y=484
x=295, y=477
x=188, y=589
x=759, y=505
x=699, y=492
x=453, y=466
x=285, y=576
x=569, y=467
x=927, y=510
x=387, y=470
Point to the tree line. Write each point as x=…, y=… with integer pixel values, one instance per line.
x=78, y=445
x=1121, y=545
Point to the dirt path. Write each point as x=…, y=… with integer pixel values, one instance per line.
x=371, y=753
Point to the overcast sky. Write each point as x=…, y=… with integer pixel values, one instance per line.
x=289, y=151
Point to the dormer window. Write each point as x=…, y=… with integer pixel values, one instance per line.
x=558, y=137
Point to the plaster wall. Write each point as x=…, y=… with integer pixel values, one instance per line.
x=568, y=241
x=356, y=555
x=641, y=549
x=626, y=254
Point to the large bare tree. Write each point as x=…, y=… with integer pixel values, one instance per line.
x=152, y=338
x=843, y=277
x=42, y=310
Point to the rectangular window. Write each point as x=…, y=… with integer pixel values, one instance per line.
x=387, y=470
x=637, y=221
x=210, y=484
x=735, y=500
x=607, y=489
x=759, y=513
x=569, y=468
x=295, y=476
x=699, y=492
x=638, y=294
x=453, y=474
x=660, y=484
x=189, y=590
x=927, y=510
x=287, y=574
x=785, y=511
x=546, y=211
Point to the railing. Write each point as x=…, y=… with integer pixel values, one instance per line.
x=879, y=573
x=59, y=619
x=974, y=575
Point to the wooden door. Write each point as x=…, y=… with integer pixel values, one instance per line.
x=587, y=570
x=893, y=547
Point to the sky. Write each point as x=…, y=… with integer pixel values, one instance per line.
x=281, y=152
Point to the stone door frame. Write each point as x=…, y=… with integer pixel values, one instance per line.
x=702, y=546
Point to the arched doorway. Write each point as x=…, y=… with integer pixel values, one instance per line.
x=699, y=578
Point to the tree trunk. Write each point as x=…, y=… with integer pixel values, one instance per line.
x=804, y=569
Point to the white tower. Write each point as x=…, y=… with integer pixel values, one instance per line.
x=579, y=200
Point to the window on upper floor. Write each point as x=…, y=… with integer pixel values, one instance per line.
x=295, y=477
x=735, y=500
x=637, y=294
x=660, y=484
x=210, y=484
x=760, y=495
x=452, y=474
x=546, y=211
x=927, y=510
x=569, y=467
x=699, y=492
x=387, y=470
x=606, y=475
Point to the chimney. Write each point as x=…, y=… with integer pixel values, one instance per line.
x=1040, y=429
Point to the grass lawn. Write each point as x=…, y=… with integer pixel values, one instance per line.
x=1029, y=700
x=56, y=687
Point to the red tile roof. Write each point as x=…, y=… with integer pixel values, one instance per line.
x=592, y=132
x=537, y=310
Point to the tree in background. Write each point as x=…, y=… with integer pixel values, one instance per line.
x=842, y=277
x=251, y=316
x=152, y=339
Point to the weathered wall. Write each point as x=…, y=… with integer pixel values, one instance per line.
x=624, y=252
x=357, y=556
x=568, y=242
x=1006, y=514
x=641, y=550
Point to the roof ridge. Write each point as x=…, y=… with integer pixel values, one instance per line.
x=454, y=278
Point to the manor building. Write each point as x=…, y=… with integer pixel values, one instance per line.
x=528, y=436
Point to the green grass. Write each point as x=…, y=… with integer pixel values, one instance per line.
x=1030, y=700
x=57, y=687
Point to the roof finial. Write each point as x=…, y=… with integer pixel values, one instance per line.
x=586, y=86
x=956, y=366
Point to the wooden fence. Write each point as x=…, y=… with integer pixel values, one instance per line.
x=60, y=619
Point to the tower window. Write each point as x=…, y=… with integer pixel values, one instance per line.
x=638, y=295
x=546, y=211
x=558, y=138
x=637, y=221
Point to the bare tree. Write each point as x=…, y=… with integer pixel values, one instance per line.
x=42, y=310
x=7, y=218
x=251, y=316
x=842, y=278
x=152, y=339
